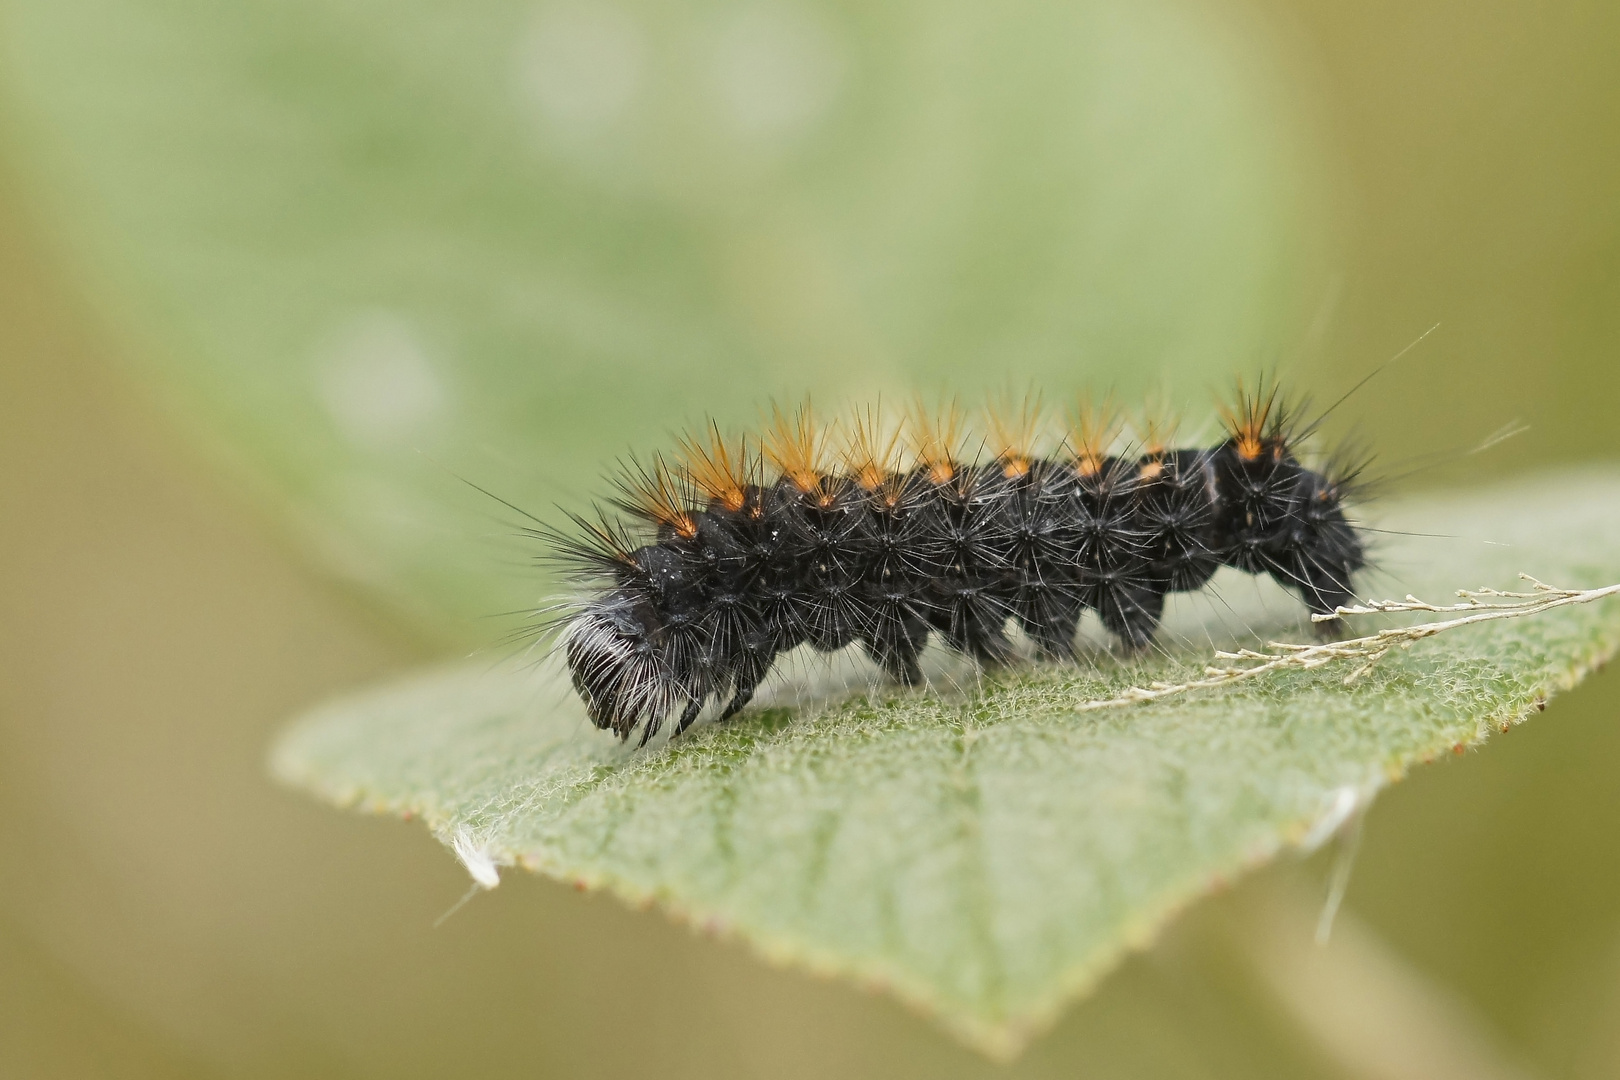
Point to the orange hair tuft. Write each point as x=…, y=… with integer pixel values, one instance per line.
x=659, y=494
x=1091, y=434
x=718, y=469
x=1157, y=426
x=935, y=438
x=872, y=453
x=1014, y=431
x=794, y=445
x=1254, y=420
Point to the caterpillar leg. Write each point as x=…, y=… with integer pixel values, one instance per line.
x=1051, y=619
x=1054, y=638
x=898, y=658
x=1324, y=586
x=1326, y=592
x=1132, y=612
x=688, y=717
x=750, y=673
x=743, y=696
x=1323, y=593
x=651, y=729
x=977, y=626
x=897, y=629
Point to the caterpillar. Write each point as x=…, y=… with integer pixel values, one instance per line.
x=709, y=565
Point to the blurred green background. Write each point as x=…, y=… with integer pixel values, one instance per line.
x=273, y=273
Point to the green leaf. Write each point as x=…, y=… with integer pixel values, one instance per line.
x=361, y=238
x=986, y=852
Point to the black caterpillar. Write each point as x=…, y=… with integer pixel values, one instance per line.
x=748, y=563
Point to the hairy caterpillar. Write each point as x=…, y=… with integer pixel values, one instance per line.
x=758, y=546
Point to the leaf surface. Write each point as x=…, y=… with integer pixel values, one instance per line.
x=979, y=848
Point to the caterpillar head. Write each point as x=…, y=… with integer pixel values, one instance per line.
x=616, y=665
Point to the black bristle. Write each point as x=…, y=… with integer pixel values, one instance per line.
x=742, y=568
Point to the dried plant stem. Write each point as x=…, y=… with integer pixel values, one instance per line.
x=1367, y=650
